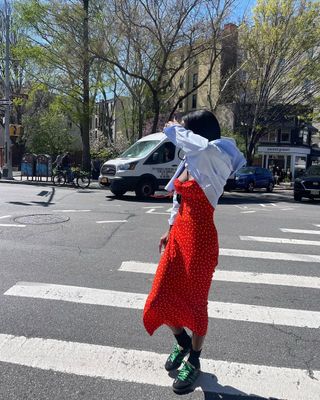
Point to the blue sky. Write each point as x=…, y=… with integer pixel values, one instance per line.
x=242, y=6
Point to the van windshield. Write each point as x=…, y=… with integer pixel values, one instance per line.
x=140, y=149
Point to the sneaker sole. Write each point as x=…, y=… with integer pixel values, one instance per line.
x=188, y=389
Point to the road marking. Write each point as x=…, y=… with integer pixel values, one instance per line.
x=270, y=255
x=268, y=205
x=153, y=211
x=13, y=225
x=247, y=212
x=153, y=207
x=220, y=310
x=119, y=364
x=109, y=222
x=6, y=216
x=316, y=225
x=300, y=231
x=280, y=240
x=70, y=211
x=311, y=282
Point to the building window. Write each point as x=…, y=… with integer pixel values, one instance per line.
x=181, y=83
x=194, y=80
x=271, y=137
x=304, y=135
x=194, y=101
x=285, y=136
x=181, y=105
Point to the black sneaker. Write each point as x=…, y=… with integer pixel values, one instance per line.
x=176, y=357
x=186, y=378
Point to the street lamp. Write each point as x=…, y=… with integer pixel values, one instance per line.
x=7, y=168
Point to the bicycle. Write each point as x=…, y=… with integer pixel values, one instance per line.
x=76, y=177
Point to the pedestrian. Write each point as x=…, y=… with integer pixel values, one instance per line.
x=179, y=294
x=66, y=165
x=58, y=160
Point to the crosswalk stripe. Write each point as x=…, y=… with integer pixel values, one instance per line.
x=13, y=225
x=146, y=367
x=270, y=255
x=280, y=240
x=5, y=216
x=220, y=310
x=306, y=231
x=311, y=282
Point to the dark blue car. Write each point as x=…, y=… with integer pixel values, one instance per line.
x=249, y=178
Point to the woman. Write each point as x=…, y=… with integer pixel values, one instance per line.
x=179, y=293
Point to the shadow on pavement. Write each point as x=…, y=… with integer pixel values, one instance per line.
x=43, y=193
x=212, y=390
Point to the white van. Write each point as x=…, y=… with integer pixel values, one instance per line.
x=145, y=167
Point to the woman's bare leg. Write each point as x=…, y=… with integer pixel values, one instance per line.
x=176, y=330
x=197, y=342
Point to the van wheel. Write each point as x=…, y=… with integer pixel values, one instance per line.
x=145, y=188
x=118, y=193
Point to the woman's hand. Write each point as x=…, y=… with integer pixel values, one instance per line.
x=164, y=240
x=170, y=123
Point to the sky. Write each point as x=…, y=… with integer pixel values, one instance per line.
x=243, y=6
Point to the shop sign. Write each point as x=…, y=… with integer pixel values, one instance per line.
x=274, y=150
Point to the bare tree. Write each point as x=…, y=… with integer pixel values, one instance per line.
x=158, y=42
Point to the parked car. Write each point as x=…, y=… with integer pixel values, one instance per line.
x=308, y=184
x=249, y=178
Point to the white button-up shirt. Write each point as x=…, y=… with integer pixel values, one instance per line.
x=209, y=163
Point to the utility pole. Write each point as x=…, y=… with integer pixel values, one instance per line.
x=7, y=169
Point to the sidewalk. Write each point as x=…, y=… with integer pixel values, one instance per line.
x=25, y=181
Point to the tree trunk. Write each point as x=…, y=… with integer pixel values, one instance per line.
x=156, y=111
x=85, y=124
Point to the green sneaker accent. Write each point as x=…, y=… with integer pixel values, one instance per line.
x=175, y=358
x=186, y=378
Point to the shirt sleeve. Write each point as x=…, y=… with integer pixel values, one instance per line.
x=186, y=140
x=175, y=209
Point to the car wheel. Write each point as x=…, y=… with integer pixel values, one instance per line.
x=270, y=187
x=250, y=187
x=297, y=197
x=145, y=188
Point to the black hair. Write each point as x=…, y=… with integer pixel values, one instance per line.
x=203, y=123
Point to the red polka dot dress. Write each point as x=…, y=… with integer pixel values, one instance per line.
x=179, y=294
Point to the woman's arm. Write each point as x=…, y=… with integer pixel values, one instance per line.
x=185, y=139
x=174, y=211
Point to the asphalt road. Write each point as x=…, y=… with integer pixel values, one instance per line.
x=65, y=340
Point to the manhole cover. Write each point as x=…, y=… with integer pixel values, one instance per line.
x=41, y=219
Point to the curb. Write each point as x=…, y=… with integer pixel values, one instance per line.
x=93, y=186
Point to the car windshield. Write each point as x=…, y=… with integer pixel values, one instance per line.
x=313, y=170
x=246, y=171
x=140, y=149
